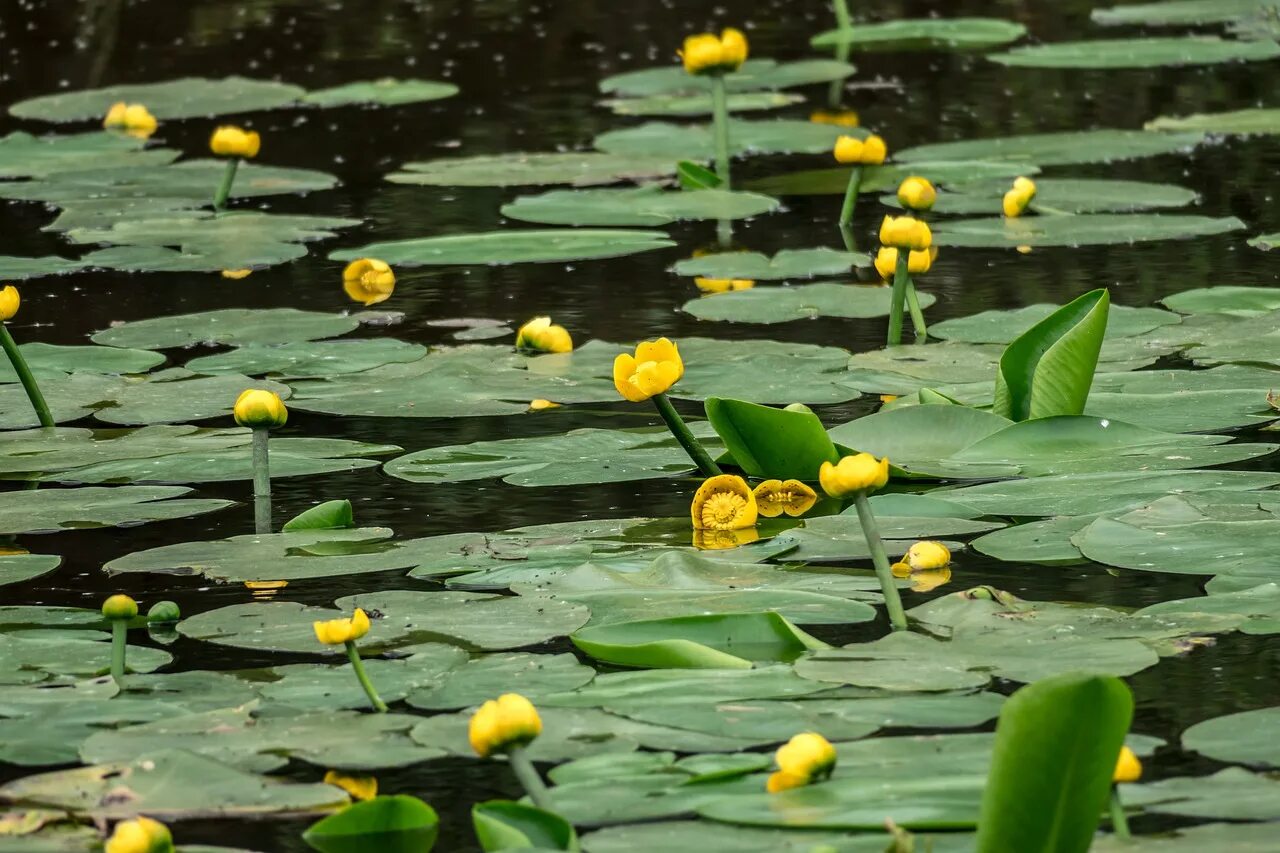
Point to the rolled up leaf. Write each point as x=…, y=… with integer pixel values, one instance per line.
x=507, y=825
x=771, y=443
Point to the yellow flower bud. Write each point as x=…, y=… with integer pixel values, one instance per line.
x=654, y=368
x=9, y=302
x=806, y=758
x=723, y=285
x=723, y=502
x=359, y=787
x=733, y=48
x=541, y=335
x=774, y=497
x=874, y=150
x=133, y=119
x=707, y=53
x=853, y=474
x=503, y=723
x=917, y=193
x=119, y=607
x=336, y=632
x=541, y=405
x=231, y=141
x=140, y=835
x=258, y=409
x=848, y=149
x=927, y=555
x=905, y=232
x=368, y=281
x=1017, y=200
x=836, y=118
x=115, y=115
x=918, y=263
x=1128, y=767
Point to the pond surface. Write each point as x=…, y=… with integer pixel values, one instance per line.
x=528, y=73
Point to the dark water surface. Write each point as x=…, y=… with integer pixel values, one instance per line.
x=528, y=72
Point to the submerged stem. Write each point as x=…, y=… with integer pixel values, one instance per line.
x=720, y=116
x=529, y=778
x=224, y=188
x=851, y=196
x=363, y=678
x=28, y=381
x=893, y=602
x=119, y=644
x=680, y=430
x=900, y=278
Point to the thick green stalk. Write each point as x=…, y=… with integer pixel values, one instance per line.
x=892, y=601
x=261, y=481
x=900, y=278
x=720, y=117
x=680, y=430
x=363, y=678
x=1119, y=821
x=917, y=316
x=529, y=778
x=119, y=643
x=844, y=21
x=224, y=188
x=850, y=243
x=851, y=197
x=24, y=376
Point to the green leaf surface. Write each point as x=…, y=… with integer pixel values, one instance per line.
x=1248, y=737
x=227, y=326
x=786, y=264
x=1232, y=300
x=330, y=515
x=23, y=155
x=580, y=168
x=1242, y=122
x=313, y=687
x=507, y=825
x=1178, y=12
x=754, y=75
x=20, y=568
x=512, y=246
x=188, y=97
x=1056, y=149
x=1146, y=52
x=309, y=359
x=801, y=302
x=1094, y=229
x=472, y=682
x=51, y=510
x=695, y=142
x=1231, y=794
x=730, y=640
x=878, y=179
x=179, y=396
x=391, y=824
x=771, y=443
x=386, y=92
x=651, y=206
x=1068, y=195
x=699, y=104
x=924, y=34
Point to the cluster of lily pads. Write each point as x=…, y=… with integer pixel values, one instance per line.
x=1045, y=436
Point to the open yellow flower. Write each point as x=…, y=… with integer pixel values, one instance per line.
x=836, y=118
x=774, y=497
x=723, y=285
x=140, y=835
x=368, y=281
x=10, y=300
x=1017, y=200
x=541, y=335
x=359, y=787
x=723, y=502
x=723, y=540
x=917, y=193
x=918, y=263
x=259, y=409
x=806, y=758
x=231, y=141
x=499, y=724
x=905, y=232
x=134, y=119
x=1128, y=767
x=853, y=474
x=707, y=53
x=336, y=632
x=654, y=368
x=927, y=555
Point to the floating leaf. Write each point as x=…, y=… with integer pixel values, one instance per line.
x=802, y=302
x=698, y=104
x=730, y=640
x=835, y=181
x=786, y=264
x=472, y=682
x=924, y=34
x=33, y=656
x=1232, y=300
x=43, y=357
x=1178, y=12
x=753, y=75
x=322, y=688
x=580, y=168
x=1096, y=229
x=1003, y=326
x=1056, y=149
x=511, y=247
x=1266, y=242
x=188, y=97
x=1145, y=52
x=1069, y=195
x=1249, y=737
x=19, y=568
x=386, y=92
x=651, y=205
x=1243, y=122
x=49, y=510
x=918, y=437
x=227, y=326
x=25, y=156
x=310, y=359
x=1231, y=794
x=695, y=142
x=330, y=515
x=17, y=269
x=712, y=837
x=179, y=396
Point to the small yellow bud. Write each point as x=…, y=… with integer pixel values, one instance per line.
x=119, y=607
x=806, y=758
x=231, y=141
x=258, y=409
x=1017, y=200
x=236, y=275
x=836, y=118
x=905, y=232
x=359, y=787
x=9, y=302
x=707, y=53
x=874, y=150
x=917, y=193
x=854, y=474
x=503, y=723
x=1128, y=767
x=541, y=405
x=918, y=263
x=541, y=335
x=723, y=285
x=927, y=555
x=140, y=835
x=848, y=149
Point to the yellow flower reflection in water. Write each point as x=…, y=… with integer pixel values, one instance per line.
x=359, y=787
x=723, y=540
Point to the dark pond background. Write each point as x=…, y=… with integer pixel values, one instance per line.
x=528, y=71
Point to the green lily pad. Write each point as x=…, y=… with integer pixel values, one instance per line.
x=729, y=640
x=650, y=205
x=918, y=438
x=876, y=179
x=511, y=247
x=1219, y=837
x=1257, y=608
x=484, y=677
x=713, y=837
x=1231, y=794
x=1241, y=122
x=20, y=568
x=1094, y=229
x=1069, y=195
x=18, y=269
x=50, y=510
x=228, y=326
x=1249, y=737
x=1145, y=52
x=699, y=104
x=580, y=168
x=309, y=359
x=1178, y=12
x=1198, y=547
x=1056, y=149
x=1003, y=326
x=695, y=142
x=188, y=97
x=42, y=357
x=786, y=264
x=25, y=156
x=321, y=688
x=179, y=395
x=802, y=302
x=754, y=75
x=34, y=656
x=1232, y=300
x=924, y=34
x=1266, y=242
x=385, y=92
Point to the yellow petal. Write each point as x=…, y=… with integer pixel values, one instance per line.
x=655, y=377
x=723, y=502
x=10, y=301
x=359, y=787
x=848, y=149
x=1128, y=767
x=874, y=150
x=928, y=555
x=624, y=370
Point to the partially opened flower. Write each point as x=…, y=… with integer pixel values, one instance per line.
x=139, y=835
x=905, y=232
x=1128, y=767
x=654, y=368
x=231, y=141
x=918, y=263
x=864, y=152
x=806, y=758
x=724, y=502
x=775, y=497
x=509, y=721
x=542, y=335
x=853, y=474
x=337, y=632
x=926, y=555
x=1017, y=200
x=134, y=119
x=368, y=281
x=708, y=53
x=917, y=193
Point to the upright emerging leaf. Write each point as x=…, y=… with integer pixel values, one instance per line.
x=1056, y=747
x=767, y=442
x=507, y=825
x=1047, y=371
x=695, y=176
x=397, y=824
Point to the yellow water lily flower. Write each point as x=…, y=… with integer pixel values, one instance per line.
x=723, y=285
x=853, y=474
x=774, y=497
x=359, y=787
x=231, y=141
x=134, y=119
x=10, y=300
x=917, y=193
x=926, y=555
x=541, y=335
x=654, y=368
x=236, y=275
x=499, y=724
x=336, y=632
x=1128, y=767
x=866, y=152
x=541, y=405
x=723, y=502
x=836, y=118
x=905, y=232
x=368, y=281
x=119, y=607
x=806, y=758
x=1016, y=200
x=258, y=409
x=140, y=835
x=707, y=53
x=918, y=263
x=723, y=540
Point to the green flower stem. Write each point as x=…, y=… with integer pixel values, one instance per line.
x=1119, y=821
x=363, y=678
x=844, y=21
x=680, y=430
x=119, y=643
x=24, y=376
x=917, y=316
x=724, y=233
x=850, y=243
x=851, y=196
x=529, y=778
x=901, y=277
x=261, y=481
x=897, y=617
x=224, y=188
x=720, y=115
